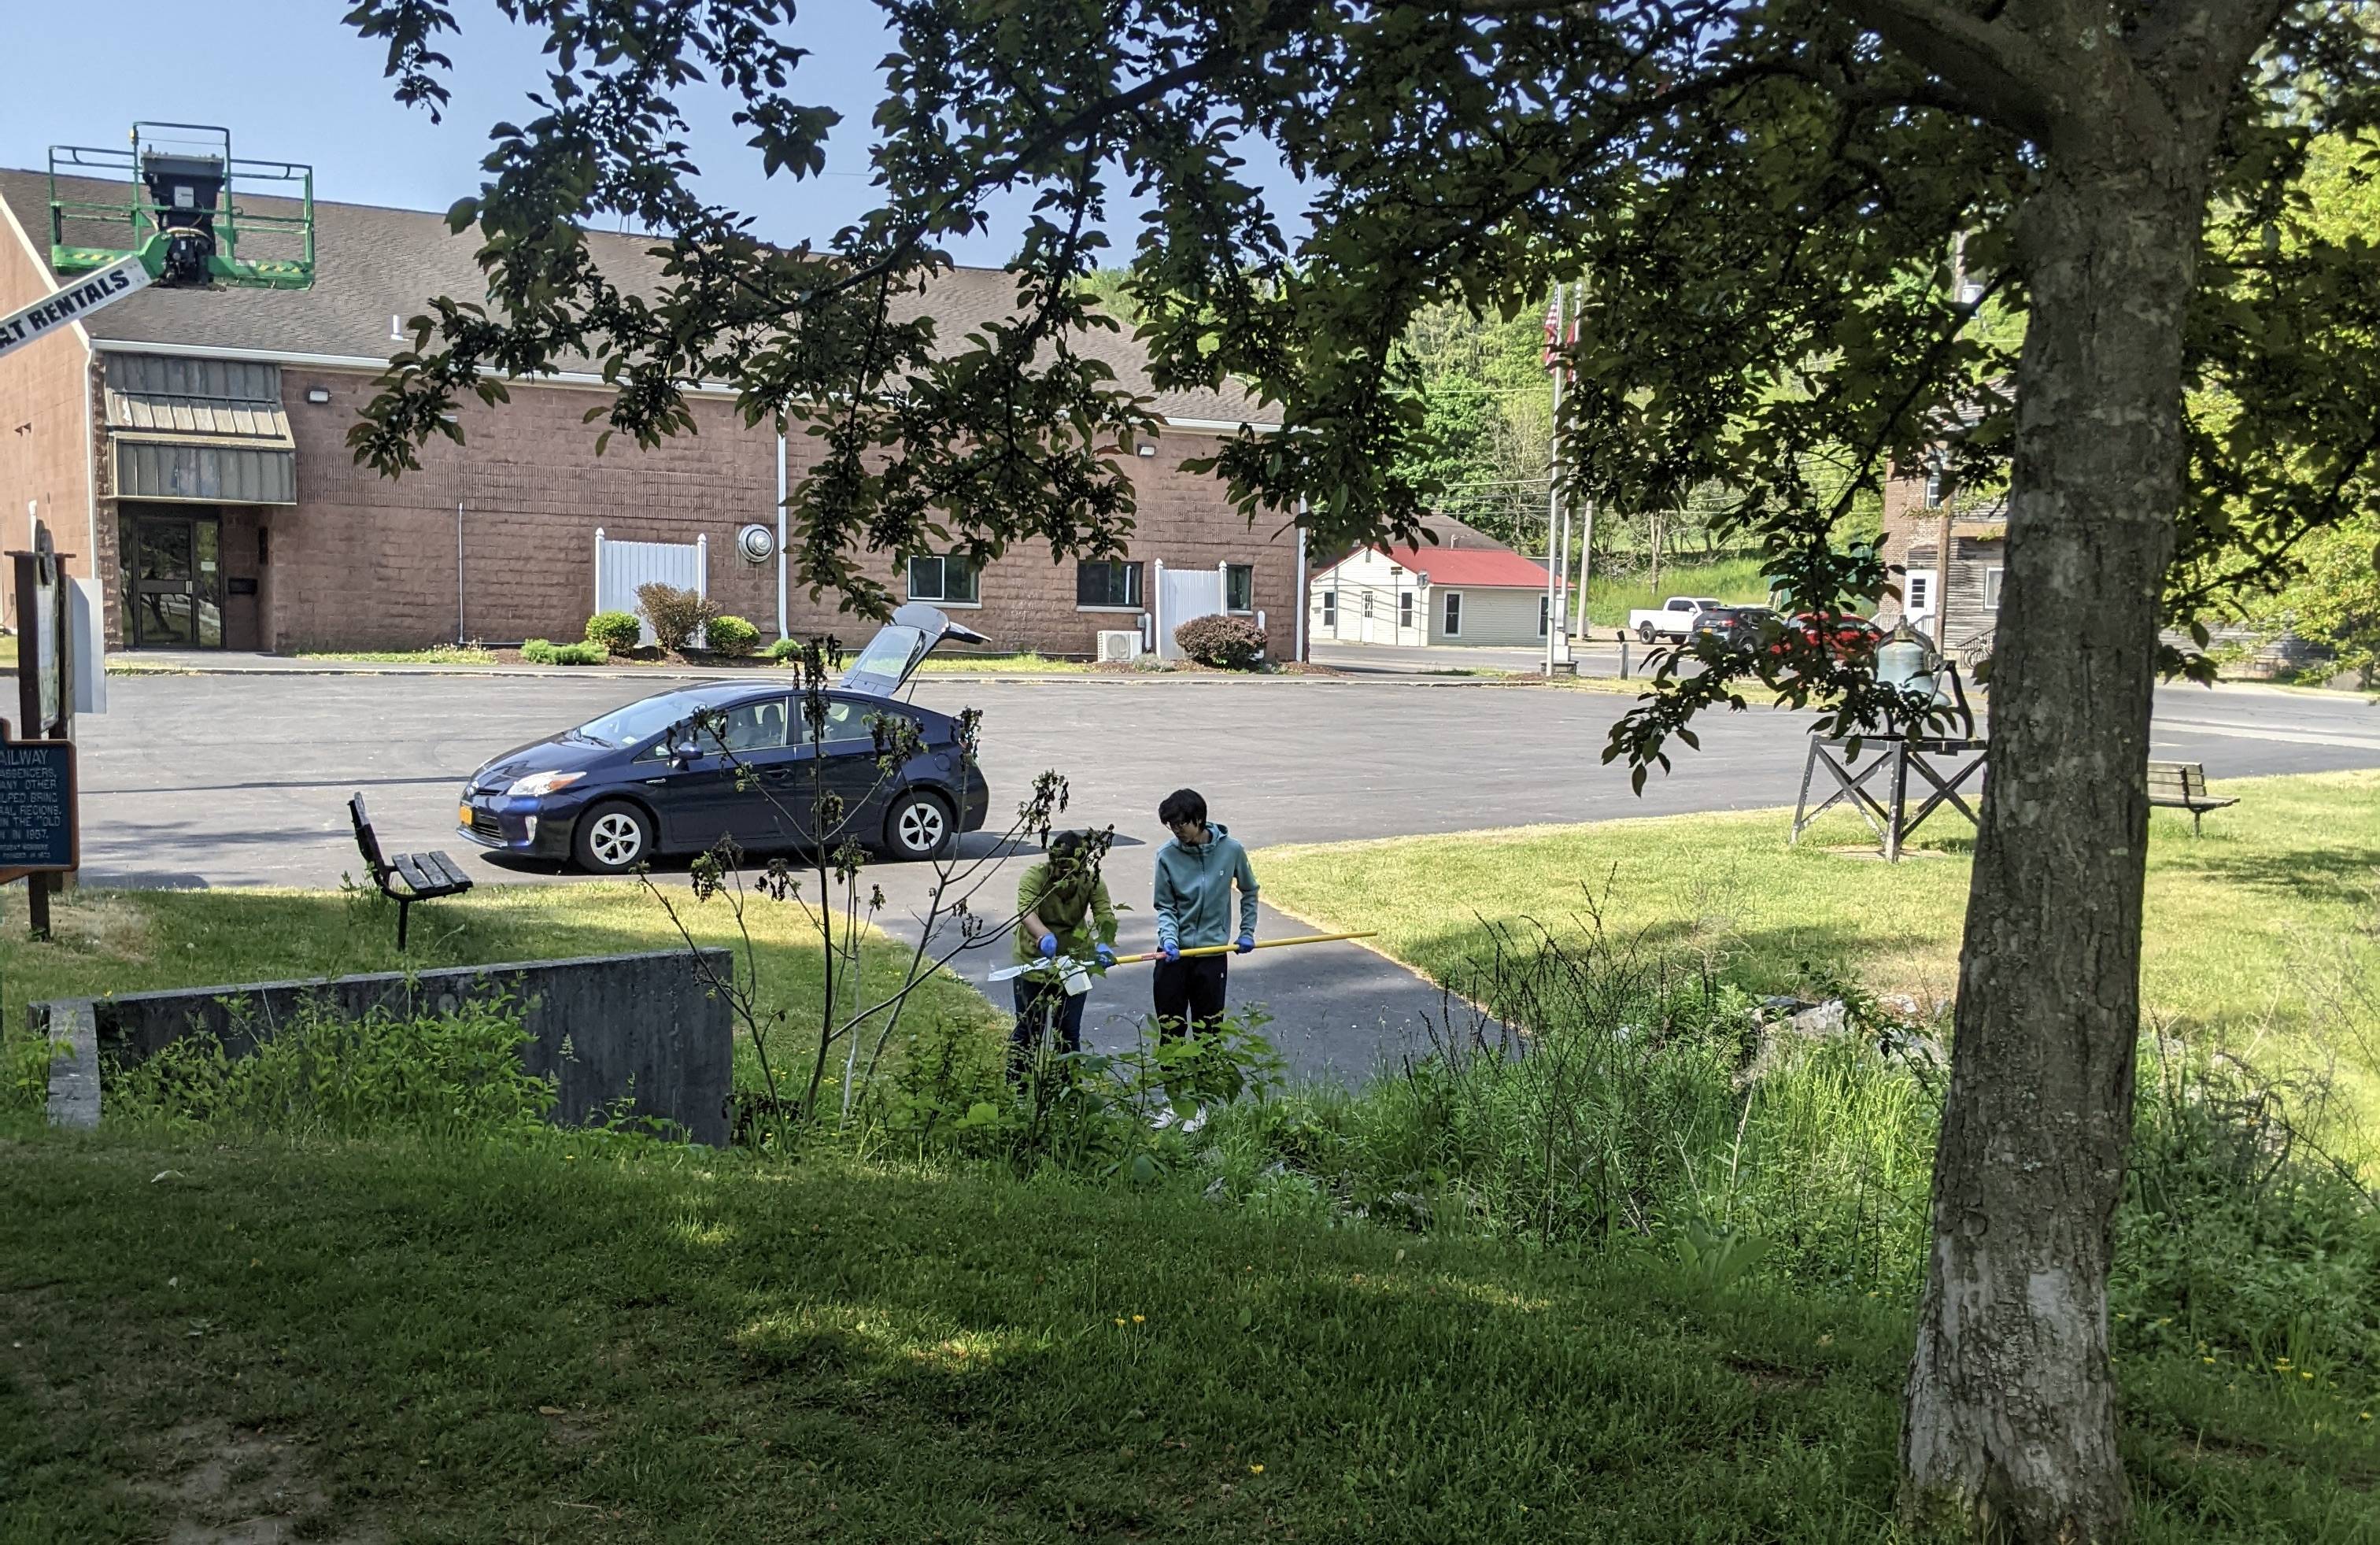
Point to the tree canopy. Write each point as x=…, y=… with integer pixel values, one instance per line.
x=1796, y=222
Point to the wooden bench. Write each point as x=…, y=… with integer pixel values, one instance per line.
x=408, y=877
x=2181, y=785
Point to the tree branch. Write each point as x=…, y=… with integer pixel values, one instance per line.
x=2002, y=73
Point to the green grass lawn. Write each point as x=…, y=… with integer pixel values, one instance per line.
x=436, y=654
x=2246, y=926
x=136, y=941
x=947, y=661
x=569, y=1341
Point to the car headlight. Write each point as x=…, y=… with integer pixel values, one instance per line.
x=538, y=784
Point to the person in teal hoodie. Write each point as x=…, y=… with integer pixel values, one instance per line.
x=1196, y=874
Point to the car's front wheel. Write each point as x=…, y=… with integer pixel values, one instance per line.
x=920, y=827
x=613, y=838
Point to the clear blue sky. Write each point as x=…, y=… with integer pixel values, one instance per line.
x=291, y=83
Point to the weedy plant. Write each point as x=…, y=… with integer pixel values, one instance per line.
x=825, y=876
x=323, y=1074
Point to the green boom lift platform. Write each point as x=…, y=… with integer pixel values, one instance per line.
x=195, y=218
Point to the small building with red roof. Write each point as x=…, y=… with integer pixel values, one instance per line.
x=1464, y=588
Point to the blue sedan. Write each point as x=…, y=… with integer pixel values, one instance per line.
x=675, y=772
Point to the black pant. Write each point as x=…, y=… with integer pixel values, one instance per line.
x=1036, y=997
x=1190, y=994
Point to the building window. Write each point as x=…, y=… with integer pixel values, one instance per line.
x=1330, y=608
x=1367, y=606
x=1992, y=589
x=1109, y=586
x=953, y=579
x=1934, y=490
x=1239, y=588
x=1545, y=614
x=1405, y=608
x=1453, y=628
x=1921, y=587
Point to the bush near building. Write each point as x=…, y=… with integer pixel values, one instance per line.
x=676, y=616
x=615, y=632
x=1224, y=642
x=733, y=636
x=545, y=651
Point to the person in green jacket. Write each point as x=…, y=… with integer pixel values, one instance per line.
x=1062, y=912
x=1195, y=875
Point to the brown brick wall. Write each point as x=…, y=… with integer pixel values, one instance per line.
x=1182, y=521
x=367, y=561
x=42, y=451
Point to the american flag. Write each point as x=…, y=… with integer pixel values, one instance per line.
x=1553, y=326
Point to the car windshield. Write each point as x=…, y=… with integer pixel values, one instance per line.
x=643, y=720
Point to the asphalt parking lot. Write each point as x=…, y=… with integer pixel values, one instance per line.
x=241, y=780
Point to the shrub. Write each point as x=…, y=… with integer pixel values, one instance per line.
x=615, y=632
x=545, y=651
x=786, y=649
x=1225, y=643
x=676, y=616
x=733, y=636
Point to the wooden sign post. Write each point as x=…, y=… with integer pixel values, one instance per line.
x=41, y=834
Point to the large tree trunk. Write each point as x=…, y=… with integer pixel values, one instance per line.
x=2010, y=1425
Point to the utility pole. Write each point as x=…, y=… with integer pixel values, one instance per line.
x=1942, y=577
x=1554, y=318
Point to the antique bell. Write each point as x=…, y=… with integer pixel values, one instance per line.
x=1905, y=664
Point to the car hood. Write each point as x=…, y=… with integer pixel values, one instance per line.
x=552, y=755
x=901, y=646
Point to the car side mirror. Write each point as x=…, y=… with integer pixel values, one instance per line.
x=684, y=752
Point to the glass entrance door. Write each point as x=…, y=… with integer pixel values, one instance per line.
x=173, y=565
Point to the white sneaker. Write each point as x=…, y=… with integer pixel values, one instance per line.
x=1165, y=1117
x=1197, y=1119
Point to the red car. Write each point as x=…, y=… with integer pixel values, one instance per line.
x=1844, y=635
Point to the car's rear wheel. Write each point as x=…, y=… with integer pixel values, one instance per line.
x=613, y=838
x=920, y=827
x=1644, y=632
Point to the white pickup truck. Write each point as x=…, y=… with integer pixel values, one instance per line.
x=1674, y=618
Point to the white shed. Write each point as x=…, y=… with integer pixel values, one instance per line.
x=1429, y=595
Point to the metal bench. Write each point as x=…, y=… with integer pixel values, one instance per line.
x=2181, y=785
x=408, y=877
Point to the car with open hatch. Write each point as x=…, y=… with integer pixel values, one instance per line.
x=674, y=772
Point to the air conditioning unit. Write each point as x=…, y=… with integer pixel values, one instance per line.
x=1119, y=643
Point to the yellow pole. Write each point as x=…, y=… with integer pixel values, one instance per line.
x=1228, y=949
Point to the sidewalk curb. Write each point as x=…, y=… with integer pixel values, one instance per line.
x=666, y=673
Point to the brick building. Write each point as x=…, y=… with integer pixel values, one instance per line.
x=188, y=447
x=1959, y=611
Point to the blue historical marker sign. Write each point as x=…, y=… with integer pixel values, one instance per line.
x=38, y=830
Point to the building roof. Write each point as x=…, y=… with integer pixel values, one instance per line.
x=1451, y=535
x=373, y=264
x=1487, y=567
x=1473, y=568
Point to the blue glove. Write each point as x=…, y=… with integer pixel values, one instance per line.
x=1248, y=943
x=1105, y=952
x=1172, y=952
x=1048, y=947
